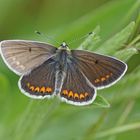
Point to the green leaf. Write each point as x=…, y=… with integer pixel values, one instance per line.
x=105, y=16
x=4, y=84
x=116, y=42
x=119, y=129
x=100, y=101
x=126, y=54
x=91, y=40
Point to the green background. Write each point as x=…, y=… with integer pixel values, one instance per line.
x=116, y=24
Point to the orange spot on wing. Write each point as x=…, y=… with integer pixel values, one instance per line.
x=65, y=92
x=82, y=96
x=76, y=96
x=32, y=88
x=70, y=94
x=86, y=94
x=107, y=76
x=48, y=89
x=103, y=79
x=42, y=89
x=97, y=81
x=28, y=84
x=36, y=89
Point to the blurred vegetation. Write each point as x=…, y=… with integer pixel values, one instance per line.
x=115, y=114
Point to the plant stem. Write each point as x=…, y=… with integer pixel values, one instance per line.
x=117, y=130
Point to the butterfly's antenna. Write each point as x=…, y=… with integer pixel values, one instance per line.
x=47, y=36
x=84, y=36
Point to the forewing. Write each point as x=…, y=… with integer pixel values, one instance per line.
x=39, y=83
x=22, y=56
x=102, y=71
x=76, y=89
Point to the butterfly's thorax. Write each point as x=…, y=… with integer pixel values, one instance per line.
x=61, y=59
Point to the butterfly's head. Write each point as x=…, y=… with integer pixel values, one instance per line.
x=64, y=46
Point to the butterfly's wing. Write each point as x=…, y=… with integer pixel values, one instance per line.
x=76, y=89
x=39, y=83
x=102, y=71
x=22, y=56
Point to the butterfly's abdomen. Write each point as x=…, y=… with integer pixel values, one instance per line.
x=59, y=80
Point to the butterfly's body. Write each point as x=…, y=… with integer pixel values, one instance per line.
x=60, y=69
x=72, y=75
x=61, y=58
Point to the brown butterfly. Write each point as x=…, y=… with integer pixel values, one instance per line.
x=72, y=75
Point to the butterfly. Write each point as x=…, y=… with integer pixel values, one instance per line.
x=72, y=75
